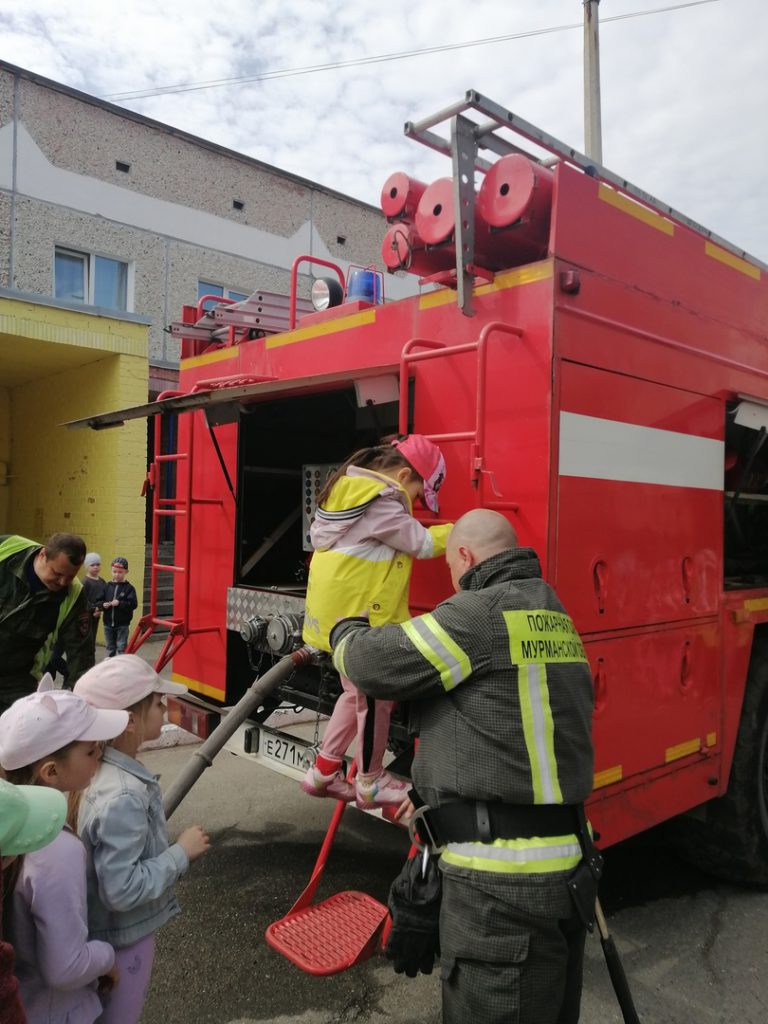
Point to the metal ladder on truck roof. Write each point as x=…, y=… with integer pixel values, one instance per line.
x=468, y=136
x=219, y=322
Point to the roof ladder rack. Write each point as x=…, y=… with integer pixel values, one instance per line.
x=468, y=136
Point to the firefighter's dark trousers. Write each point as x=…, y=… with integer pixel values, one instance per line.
x=512, y=950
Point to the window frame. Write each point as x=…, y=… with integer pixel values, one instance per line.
x=89, y=256
x=226, y=292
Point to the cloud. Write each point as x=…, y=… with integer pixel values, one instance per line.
x=684, y=92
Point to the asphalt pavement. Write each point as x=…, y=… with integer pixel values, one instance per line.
x=694, y=948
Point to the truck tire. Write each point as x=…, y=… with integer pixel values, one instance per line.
x=731, y=841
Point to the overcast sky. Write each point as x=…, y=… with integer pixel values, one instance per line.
x=685, y=92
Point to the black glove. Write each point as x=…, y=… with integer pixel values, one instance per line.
x=414, y=903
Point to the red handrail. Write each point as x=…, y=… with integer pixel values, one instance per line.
x=295, y=277
x=436, y=349
x=218, y=299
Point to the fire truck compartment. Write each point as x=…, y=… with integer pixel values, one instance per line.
x=746, y=495
x=277, y=441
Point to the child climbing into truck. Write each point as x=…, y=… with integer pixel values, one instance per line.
x=365, y=538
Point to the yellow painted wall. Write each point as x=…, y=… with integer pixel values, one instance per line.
x=82, y=481
x=57, y=365
x=5, y=455
x=62, y=337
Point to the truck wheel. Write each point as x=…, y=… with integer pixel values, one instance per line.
x=732, y=840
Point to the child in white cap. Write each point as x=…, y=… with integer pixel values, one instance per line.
x=132, y=868
x=53, y=739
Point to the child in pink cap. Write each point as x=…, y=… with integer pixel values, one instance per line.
x=365, y=538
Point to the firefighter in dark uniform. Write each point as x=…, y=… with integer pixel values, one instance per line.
x=502, y=700
x=41, y=602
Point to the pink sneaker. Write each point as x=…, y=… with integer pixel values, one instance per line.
x=335, y=786
x=382, y=790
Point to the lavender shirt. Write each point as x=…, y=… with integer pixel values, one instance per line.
x=55, y=963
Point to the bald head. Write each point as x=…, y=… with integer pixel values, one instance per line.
x=484, y=532
x=478, y=535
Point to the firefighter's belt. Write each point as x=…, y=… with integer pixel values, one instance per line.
x=470, y=821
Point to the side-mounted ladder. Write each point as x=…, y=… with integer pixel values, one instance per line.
x=178, y=507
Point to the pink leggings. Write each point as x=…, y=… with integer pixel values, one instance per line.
x=123, y=1005
x=368, y=719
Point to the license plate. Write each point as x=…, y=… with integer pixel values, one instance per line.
x=286, y=752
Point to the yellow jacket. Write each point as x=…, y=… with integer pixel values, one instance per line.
x=365, y=539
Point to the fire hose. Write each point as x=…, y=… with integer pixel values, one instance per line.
x=248, y=704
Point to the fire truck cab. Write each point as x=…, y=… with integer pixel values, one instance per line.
x=594, y=366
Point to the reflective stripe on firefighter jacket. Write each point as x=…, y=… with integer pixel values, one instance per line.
x=501, y=695
x=365, y=539
x=28, y=626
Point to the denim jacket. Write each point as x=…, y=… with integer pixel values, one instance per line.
x=131, y=867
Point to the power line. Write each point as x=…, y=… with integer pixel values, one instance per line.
x=218, y=83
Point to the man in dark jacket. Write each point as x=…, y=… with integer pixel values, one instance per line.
x=41, y=601
x=502, y=697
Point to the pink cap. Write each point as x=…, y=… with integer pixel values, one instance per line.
x=121, y=682
x=44, y=722
x=427, y=459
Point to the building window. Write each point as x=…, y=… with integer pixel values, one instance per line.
x=95, y=280
x=71, y=275
x=208, y=288
x=120, y=166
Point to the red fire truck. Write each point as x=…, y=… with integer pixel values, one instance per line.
x=595, y=366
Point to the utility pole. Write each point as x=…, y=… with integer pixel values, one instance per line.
x=593, y=142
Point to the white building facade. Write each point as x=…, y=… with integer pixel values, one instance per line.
x=104, y=208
